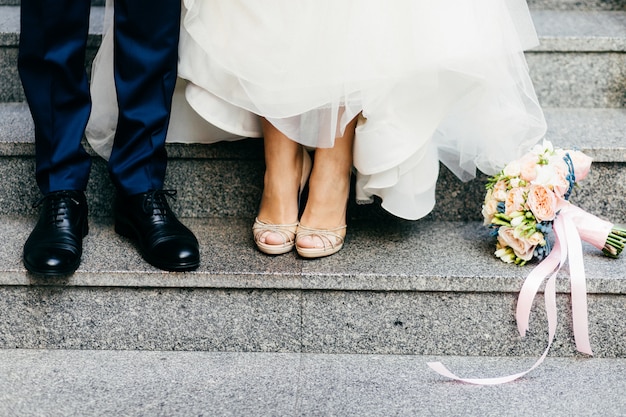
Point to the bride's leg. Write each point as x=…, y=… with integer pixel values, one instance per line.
x=329, y=186
x=283, y=169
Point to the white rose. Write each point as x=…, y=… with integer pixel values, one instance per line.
x=513, y=169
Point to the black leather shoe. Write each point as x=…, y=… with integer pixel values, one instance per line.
x=55, y=245
x=162, y=240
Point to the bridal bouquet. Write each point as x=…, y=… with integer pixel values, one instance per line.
x=523, y=200
x=527, y=208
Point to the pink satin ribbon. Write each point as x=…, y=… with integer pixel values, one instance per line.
x=571, y=226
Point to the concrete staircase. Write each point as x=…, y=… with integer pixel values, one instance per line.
x=427, y=289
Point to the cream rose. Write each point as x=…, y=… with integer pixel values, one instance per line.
x=559, y=180
x=513, y=169
x=490, y=208
x=523, y=249
x=499, y=191
x=515, y=200
x=536, y=239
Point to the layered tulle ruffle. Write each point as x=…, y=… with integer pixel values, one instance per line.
x=429, y=81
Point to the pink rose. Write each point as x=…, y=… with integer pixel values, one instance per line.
x=515, y=200
x=542, y=202
x=523, y=249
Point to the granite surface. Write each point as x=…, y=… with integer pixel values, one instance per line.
x=586, y=31
x=599, y=133
x=10, y=22
x=579, y=79
x=579, y=62
x=425, y=255
x=387, y=291
x=106, y=383
x=596, y=131
x=471, y=324
x=617, y=5
x=150, y=319
x=209, y=188
x=427, y=287
x=17, y=2
x=10, y=86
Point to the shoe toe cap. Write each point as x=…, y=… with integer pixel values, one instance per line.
x=177, y=254
x=52, y=261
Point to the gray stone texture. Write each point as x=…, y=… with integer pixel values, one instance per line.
x=431, y=287
x=10, y=86
x=617, y=5
x=150, y=319
x=431, y=256
x=108, y=383
x=17, y=2
x=396, y=288
x=579, y=79
x=223, y=187
x=580, y=62
x=580, y=31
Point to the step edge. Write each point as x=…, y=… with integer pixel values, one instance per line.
x=559, y=118
x=253, y=270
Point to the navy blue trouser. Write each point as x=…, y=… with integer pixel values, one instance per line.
x=51, y=64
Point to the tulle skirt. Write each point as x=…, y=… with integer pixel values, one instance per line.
x=429, y=81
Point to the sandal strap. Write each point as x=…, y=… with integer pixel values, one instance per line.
x=325, y=235
x=286, y=231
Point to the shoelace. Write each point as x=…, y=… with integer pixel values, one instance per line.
x=57, y=211
x=156, y=203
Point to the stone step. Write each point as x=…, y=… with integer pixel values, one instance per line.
x=581, y=62
x=533, y=4
x=398, y=287
x=17, y=2
x=225, y=179
x=87, y=383
x=10, y=85
x=617, y=5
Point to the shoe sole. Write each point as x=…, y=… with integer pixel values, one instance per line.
x=312, y=253
x=274, y=249
x=52, y=274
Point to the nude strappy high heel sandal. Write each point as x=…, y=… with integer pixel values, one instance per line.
x=332, y=240
x=286, y=231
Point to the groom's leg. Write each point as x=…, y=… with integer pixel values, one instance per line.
x=51, y=64
x=146, y=55
x=52, y=68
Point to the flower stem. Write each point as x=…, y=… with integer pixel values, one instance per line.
x=615, y=242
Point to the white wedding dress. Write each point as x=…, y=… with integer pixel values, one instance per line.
x=437, y=80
